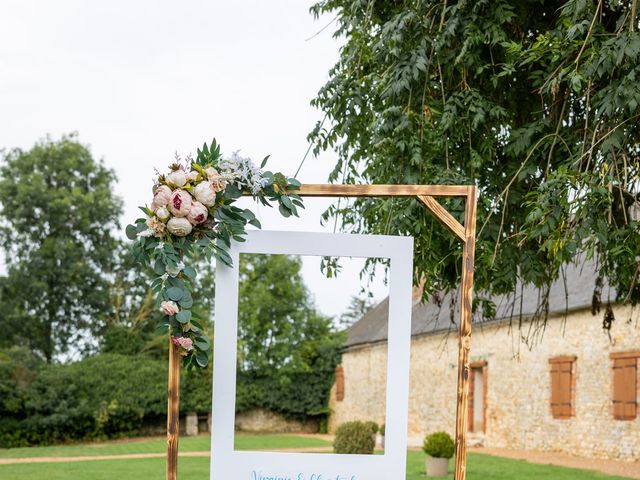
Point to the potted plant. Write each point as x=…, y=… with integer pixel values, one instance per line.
x=439, y=447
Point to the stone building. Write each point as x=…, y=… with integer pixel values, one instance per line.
x=571, y=386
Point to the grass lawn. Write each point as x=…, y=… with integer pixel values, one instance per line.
x=480, y=467
x=159, y=445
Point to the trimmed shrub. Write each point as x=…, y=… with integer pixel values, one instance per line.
x=104, y=396
x=383, y=428
x=439, y=445
x=354, y=437
x=372, y=426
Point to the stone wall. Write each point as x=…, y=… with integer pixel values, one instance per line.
x=518, y=413
x=260, y=420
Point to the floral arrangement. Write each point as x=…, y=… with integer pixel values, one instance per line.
x=192, y=212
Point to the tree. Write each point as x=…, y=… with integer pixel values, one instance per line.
x=535, y=102
x=276, y=320
x=58, y=214
x=287, y=350
x=357, y=308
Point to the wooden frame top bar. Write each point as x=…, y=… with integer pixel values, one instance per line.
x=341, y=190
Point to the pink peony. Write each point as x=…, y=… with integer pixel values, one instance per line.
x=177, y=178
x=205, y=193
x=169, y=308
x=161, y=197
x=180, y=227
x=198, y=213
x=183, y=342
x=180, y=203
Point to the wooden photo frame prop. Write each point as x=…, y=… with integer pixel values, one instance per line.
x=255, y=465
x=466, y=232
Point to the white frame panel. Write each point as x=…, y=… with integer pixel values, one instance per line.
x=227, y=463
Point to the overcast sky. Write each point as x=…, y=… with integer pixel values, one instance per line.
x=141, y=80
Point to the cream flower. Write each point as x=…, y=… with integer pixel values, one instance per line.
x=163, y=214
x=177, y=178
x=180, y=203
x=192, y=176
x=156, y=226
x=180, y=227
x=205, y=194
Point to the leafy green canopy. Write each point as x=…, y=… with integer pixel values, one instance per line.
x=57, y=213
x=287, y=351
x=536, y=102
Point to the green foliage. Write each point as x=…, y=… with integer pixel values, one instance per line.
x=287, y=351
x=130, y=327
x=103, y=396
x=439, y=445
x=357, y=308
x=172, y=257
x=354, y=437
x=535, y=102
x=372, y=426
x=57, y=212
x=18, y=368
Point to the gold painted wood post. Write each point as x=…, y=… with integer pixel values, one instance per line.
x=464, y=345
x=466, y=232
x=173, y=411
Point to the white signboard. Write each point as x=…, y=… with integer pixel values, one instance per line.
x=228, y=464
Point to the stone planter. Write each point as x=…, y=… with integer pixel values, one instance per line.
x=191, y=424
x=437, y=467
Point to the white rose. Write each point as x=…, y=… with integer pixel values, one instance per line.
x=179, y=226
x=162, y=213
x=211, y=172
x=205, y=194
x=177, y=178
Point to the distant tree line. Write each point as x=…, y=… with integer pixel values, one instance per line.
x=79, y=354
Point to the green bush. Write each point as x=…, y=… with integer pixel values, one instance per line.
x=439, y=445
x=354, y=437
x=104, y=396
x=372, y=426
x=383, y=428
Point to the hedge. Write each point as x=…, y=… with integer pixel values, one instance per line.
x=112, y=395
x=104, y=396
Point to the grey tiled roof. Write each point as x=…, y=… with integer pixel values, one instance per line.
x=429, y=317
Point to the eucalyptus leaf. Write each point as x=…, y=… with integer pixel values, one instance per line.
x=175, y=293
x=202, y=359
x=183, y=316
